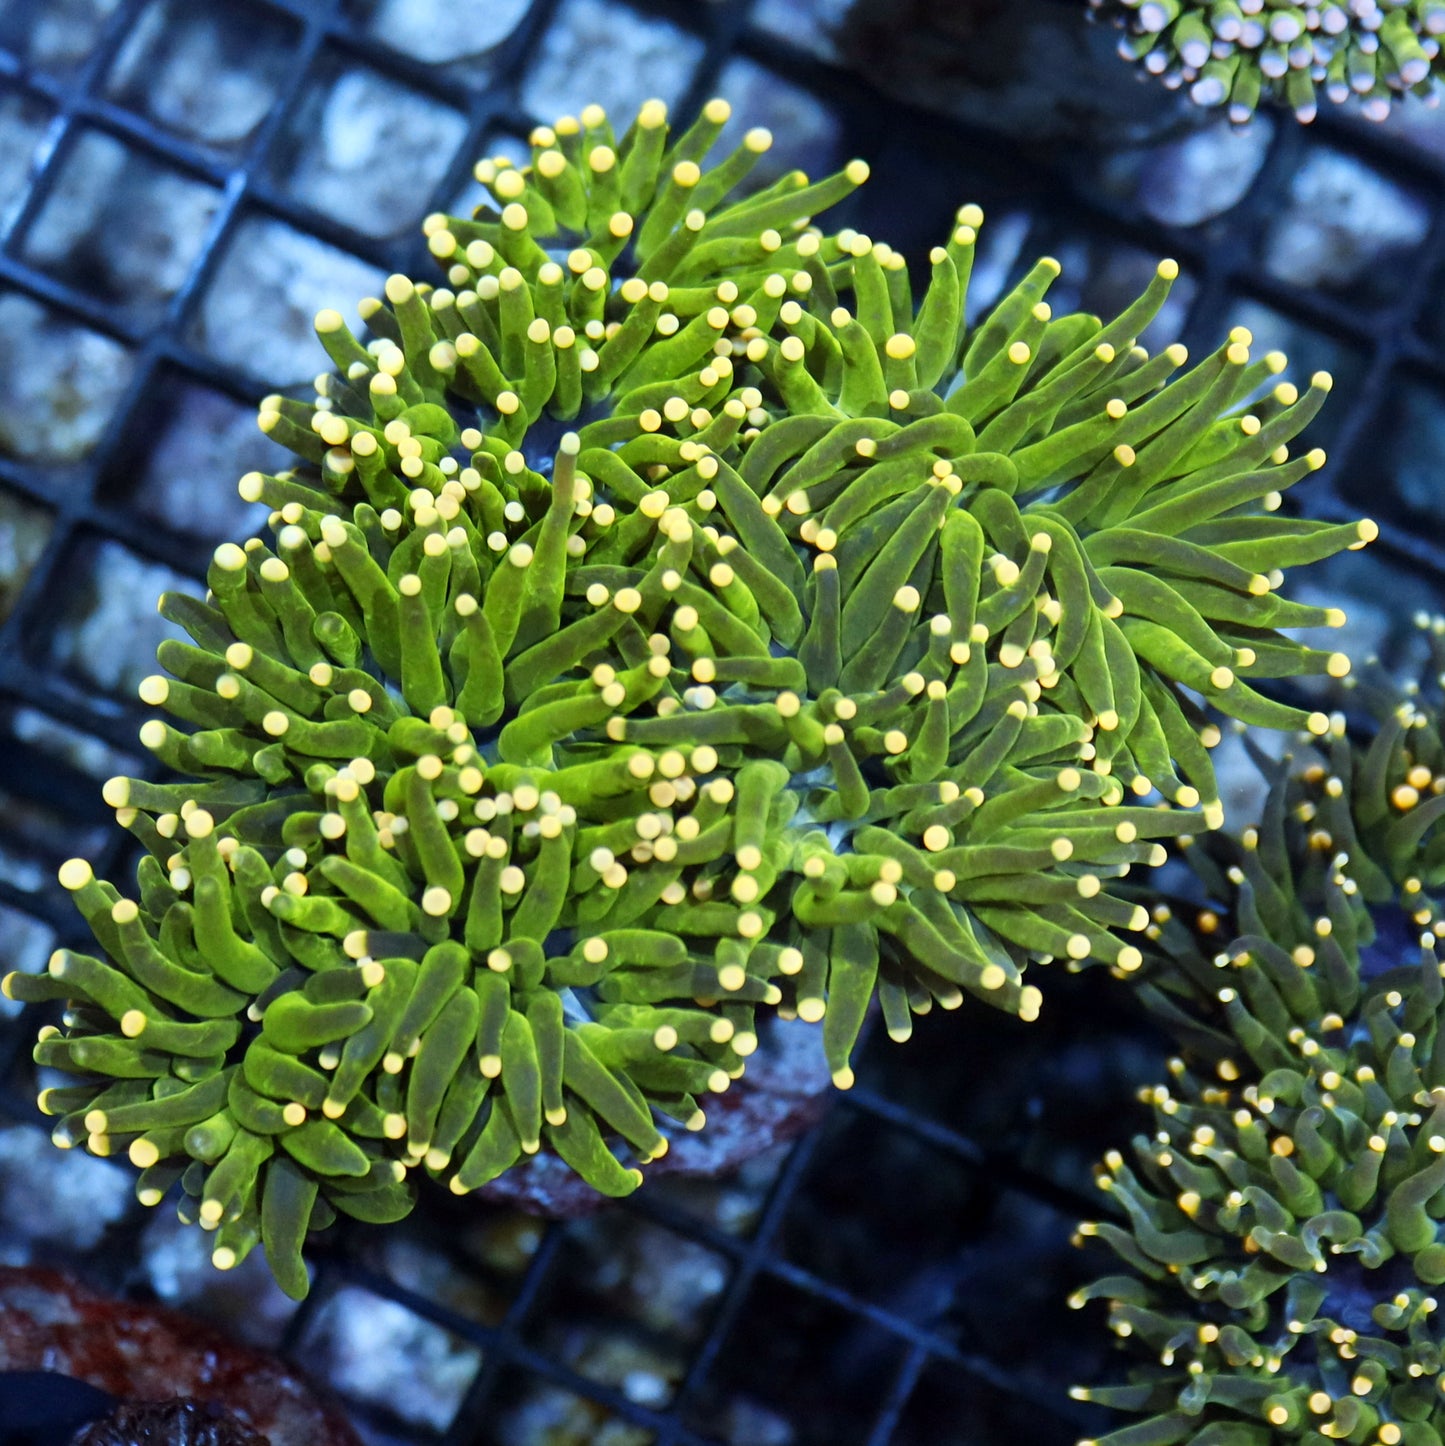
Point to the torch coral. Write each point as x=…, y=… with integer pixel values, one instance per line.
x=1241, y=51
x=813, y=665
x=1282, y=1245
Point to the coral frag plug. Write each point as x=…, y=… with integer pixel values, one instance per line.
x=1236, y=53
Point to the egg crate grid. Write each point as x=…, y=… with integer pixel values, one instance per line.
x=810, y=1334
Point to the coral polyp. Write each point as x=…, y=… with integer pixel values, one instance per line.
x=1280, y=1236
x=1237, y=54
x=664, y=619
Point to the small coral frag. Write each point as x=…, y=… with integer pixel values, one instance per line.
x=1239, y=52
x=1281, y=1237
x=816, y=663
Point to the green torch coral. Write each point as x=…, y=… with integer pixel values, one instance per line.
x=815, y=664
x=1238, y=52
x=1282, y=1246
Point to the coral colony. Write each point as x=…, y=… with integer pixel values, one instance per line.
x=1280, y=1241
x=1239, y=52
x=839, y=652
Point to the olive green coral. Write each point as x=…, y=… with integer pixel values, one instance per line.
x=1239, y=52
x=815, y=664
x=1281, y=1240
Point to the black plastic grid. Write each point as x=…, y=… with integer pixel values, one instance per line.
x=897, y=1276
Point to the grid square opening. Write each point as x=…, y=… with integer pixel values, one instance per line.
x=180, y=454
x=607, y=55
x=626, y=1303
x=118, y=225
x=463, y=36
x=405, y=1372
x=102, y=626
x=24, y=531
x=795, y=1367
x=211, y=73
x=256, y=312
x=57, y=407
x=366, y=150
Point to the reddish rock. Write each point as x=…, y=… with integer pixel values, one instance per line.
x=782, y=1094
x=50, y=1322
